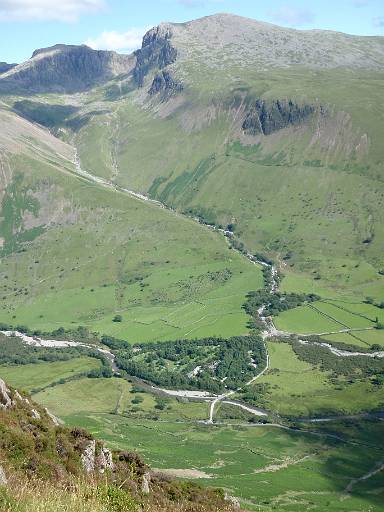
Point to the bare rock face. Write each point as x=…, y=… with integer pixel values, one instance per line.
x=88, y=456
x=65, y=68
x=269, y=117
x=5, y=399
x=3, y=478
x=156, y=52
x=104, y=461
x=145, y=483
x=164, y=82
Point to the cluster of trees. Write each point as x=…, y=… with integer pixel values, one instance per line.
x=80, y=332
x=352, y=368
x=234, y=360
x=115, y=344
x=275, y=303
x=255, y=395
x=104, y=371
x=224, y=363
x=14, y=352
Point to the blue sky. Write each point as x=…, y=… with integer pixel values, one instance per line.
x=116, y=24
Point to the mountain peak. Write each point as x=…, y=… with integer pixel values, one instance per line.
x=4, y=67
x=65, y=68
x=240, y=41
x=59, y=48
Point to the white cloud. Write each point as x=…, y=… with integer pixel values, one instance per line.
x=122, y=41
x=291, y=15
x=58, y=10
x=378, y=21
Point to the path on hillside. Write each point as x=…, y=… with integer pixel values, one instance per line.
x=377, y=469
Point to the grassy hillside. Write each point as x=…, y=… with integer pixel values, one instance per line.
x=310, y=196
x=75, y=253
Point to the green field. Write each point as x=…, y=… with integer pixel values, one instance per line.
x=305, y=320
x=296, y=388
x=334, y=315
x=40, y=375
x=114, y=396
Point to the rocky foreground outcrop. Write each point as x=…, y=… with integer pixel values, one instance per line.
x=5, y=396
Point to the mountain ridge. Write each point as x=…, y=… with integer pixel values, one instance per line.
x=64, y=68
x=220, y=40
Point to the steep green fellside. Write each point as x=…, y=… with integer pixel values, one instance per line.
x=44, y=467
x=73, y=252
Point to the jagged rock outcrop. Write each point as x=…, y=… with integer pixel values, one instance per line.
x=5, y=396
x=104, y=461
x=145, y=483
x=88, y=456
x=156, y=52
x=35, y=414
x=269, y=117
x=54, y=419
x=164, y=82
x=65, y=68
x=4, y=67
x=3, y=478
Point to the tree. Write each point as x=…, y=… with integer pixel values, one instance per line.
x=117, y=318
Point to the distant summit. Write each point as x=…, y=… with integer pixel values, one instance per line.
x=4, y=67
x=247, y=41
x=65, y=68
